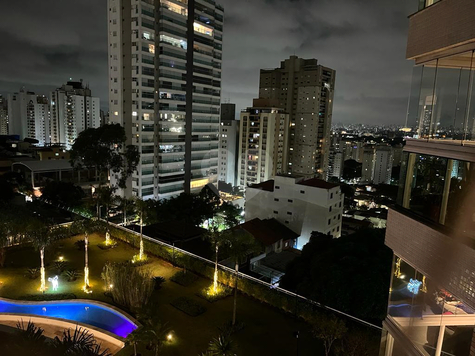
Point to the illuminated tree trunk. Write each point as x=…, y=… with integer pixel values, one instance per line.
x=86, y=263
x=215, y=277
x=141, y=239
x=42, y=270
x=235, y=293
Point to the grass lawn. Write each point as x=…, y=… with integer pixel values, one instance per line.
x=267, y=331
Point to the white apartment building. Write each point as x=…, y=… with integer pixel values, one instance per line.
x=28, y=116
x=165, y=89
x=263, y=143
x=383, y=164
x=304, y=205
x=335, y=165
x=73, y=109
x=377, y=164
x=304, y=90
x=228, y=144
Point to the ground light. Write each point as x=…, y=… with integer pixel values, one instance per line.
x=169, y=337
x=61, y=258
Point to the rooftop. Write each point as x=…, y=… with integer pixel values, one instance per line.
x=268, y=231
x=312, y=182
x=318, y=183
x=46, y=166
x=279, y=261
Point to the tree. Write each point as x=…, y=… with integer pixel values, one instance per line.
x=62, y=193
x=104, y=148
x=105, y=196
x=136, y=337
x=156, y=335
x=240, y=245
x=41, y=236
x=328, y=329
x=87, y=227
x=353, y=269
x=221, y=345
x=217, y=237
x=141, y=209
x=126, y=205
x=231, y=214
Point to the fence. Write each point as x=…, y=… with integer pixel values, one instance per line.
x=256, y=288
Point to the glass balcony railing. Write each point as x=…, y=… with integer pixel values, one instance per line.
x=426, y=3
x=442, y=99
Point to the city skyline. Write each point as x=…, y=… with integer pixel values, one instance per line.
x=373, y=84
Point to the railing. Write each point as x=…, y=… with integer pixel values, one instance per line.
x=241, y=275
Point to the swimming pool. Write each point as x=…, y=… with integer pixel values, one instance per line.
x=85, y=312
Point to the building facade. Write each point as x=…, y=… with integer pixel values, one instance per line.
x=165, y=88
x=303, y=205
x=383, y=164
x=73, y=109
x=431, y=230
x=228, y=144
x=263, y=143
x=304, y=90
x=28, y=116
x=3, y=116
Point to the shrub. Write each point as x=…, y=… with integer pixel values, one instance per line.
x=188, y=306
x=33, y=273
x=131, y=287
x=158, y=282
x=60, y=266
x=80, y=244
x=184, y=278
x=72, y=274
x=211, y=297
x=102, y=245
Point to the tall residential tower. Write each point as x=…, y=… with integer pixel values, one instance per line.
x=304, y=90
x=165, y=89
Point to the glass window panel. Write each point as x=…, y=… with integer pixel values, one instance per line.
x=427, y=186
x=458, y=341
x=424, y=125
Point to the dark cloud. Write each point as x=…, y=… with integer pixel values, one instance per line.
x=44, y=43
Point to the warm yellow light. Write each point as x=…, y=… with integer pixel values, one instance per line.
x=61, y=258
x=169, y=337
x=110, y=286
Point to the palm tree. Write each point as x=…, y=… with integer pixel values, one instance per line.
x=28, y=339
x=222, y=345
x=141, y=208
x=106, y=197
x=217, y=237
x=156, y=334
x=88, y=227
x=41, y=236
x=241, y=244
x=135, y=337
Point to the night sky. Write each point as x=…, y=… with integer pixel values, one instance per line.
x=44, y=43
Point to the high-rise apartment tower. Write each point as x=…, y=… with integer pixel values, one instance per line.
x=165, y=88
x=304, y=90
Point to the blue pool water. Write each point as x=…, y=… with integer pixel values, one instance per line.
x=87, y=313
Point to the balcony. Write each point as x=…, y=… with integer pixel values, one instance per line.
x=441, y=26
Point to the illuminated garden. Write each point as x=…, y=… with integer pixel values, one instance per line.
x=188, y=322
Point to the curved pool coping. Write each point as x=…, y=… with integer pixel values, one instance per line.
x=107, y=335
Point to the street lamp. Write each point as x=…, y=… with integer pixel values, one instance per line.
x=296, y=335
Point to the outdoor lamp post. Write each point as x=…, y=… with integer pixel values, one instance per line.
x=296, y=335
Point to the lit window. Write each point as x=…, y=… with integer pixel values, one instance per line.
x=151, y=48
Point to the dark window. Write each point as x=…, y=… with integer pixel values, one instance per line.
x=277, y=187
x=276, y=199
x=290, y=201
x=337, y=229
x=286, y=222
x=331, y=196
x=330, y=209
x=339, y=217
x=329, y=221
x=289, y=213
x=302, y=191
x=340, y=205
x=276, y=212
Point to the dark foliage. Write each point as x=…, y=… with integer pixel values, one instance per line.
x=104, y=148
x=62, y=193
x=350, y=273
